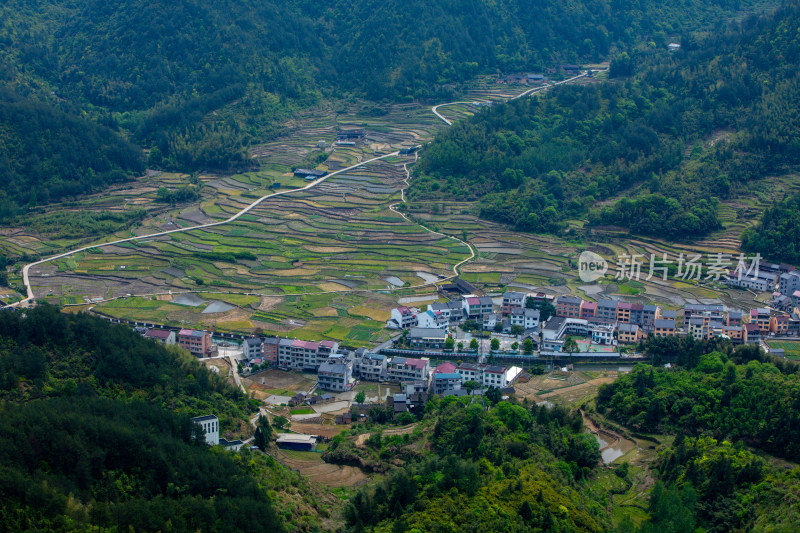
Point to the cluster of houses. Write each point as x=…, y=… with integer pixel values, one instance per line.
x=611, y=322
x=196, y=342
x=481, y=309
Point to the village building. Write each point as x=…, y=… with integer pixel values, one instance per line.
x=164, y=336
x=336, y=375
x=427, y=338
x=512, y=300
x=402, y=369
x=252, y=348
x=209, y=424
x=403, y=318
x=197, y=342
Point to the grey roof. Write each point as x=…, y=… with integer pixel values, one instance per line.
x=514, y=295
x=628, y=327
x=427, y=332
x=271, y=340
x=664, y=323
x=486, y=300
x=569, y=299
x=333, y=368
x=253, y=341
x=204, y=418
x=286, y=342
x=399, y=398
x=376, y=356
x=650, y=307
x=607, y=302
x=454, y=375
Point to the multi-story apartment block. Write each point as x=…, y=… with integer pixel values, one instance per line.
x=568, y=306
x=607, y=308
x=403, y=369
x=512, y=300
x=197, y=342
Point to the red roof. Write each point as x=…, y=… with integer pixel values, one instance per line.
x=589, y=305
x=473, y=301
x=445, y=368
x=623, y=305
x=327, y=344
x=158, y=333
x=308, y=345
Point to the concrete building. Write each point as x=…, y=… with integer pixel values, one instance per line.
x=404, y=318
x=603, y=334
x=568, y=306
x=607, y=309
x=629, y=333
x=788, y=282
x=402, y=369
x=336, y=375
x=664, y=327
x=512, y=300
x=589, y=310
x=443, y=382
x=210, y=426
x=432, y=319
x=253, y=348
x=452, y=311
x=427, y=338
x=270, y=345
x=476, y=307
x=371, y=366
x=527, y=318
x=197, y=342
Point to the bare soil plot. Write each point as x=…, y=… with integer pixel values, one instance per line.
x=322, y=472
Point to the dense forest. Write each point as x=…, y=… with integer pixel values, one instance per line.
x=777, y=235
x=96, y=432
x=725, y=408
x=47, y=154
x=197, y=81
x=536, y=163
x=511, y=468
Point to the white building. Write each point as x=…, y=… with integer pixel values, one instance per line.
x=603, y=334
x=432, y=319
x=403, y=318
x=210, y=426
x=403, y=369
x=486, y=375
x=527, y=318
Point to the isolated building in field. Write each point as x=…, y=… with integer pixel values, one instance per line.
x=298, y=442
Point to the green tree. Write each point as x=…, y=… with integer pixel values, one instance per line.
x=360, y=397
x=570, y=345
x=473, y=344
x=449, y=343
x=527, y=346
x=495, y=344
x=263, y=433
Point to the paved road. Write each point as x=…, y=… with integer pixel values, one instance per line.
x=26, y=268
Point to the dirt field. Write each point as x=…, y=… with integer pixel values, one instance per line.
x=322, y=472
x=568, y=388
x=575, y=393
x=267, y=383
x=405, y=430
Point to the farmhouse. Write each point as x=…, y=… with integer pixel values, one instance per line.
x=403, y=317
x=446, y=381
x=253, y=348
x=309, y=173
x=568, y=306
x=371, y=366
x=476, y=307
x=512, y=300
x=453, y=311
x=432, y=319
x=294, y=441
x=165, y=336
x=352, y=134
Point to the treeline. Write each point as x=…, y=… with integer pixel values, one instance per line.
x=47, y=154
x=82, y=462
x=95, y=432
x=536, y=163
x=511, y=468
x=754, y=403
x=777, y=234
x=198, y=81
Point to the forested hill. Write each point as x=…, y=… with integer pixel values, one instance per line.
x=199, y=80
x=95, y=432
x=539, y=162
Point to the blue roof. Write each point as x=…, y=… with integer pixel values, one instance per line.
x=453, y=375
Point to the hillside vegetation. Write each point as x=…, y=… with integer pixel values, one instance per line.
x=198, y=81
x=535, y=163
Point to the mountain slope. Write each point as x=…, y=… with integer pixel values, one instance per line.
x=539, y=162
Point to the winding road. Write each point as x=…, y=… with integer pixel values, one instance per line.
x=435, y=109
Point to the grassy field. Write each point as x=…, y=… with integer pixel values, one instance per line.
x=791, y=348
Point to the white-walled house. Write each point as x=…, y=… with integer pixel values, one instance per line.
x=210, y=426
